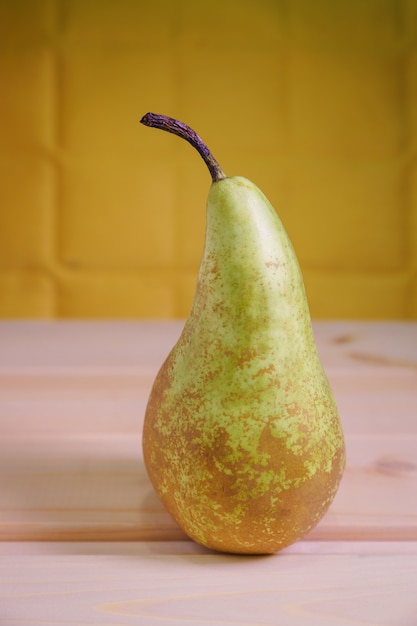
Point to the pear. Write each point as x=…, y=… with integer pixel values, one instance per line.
x=242, y=439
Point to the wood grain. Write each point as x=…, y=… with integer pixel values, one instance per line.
x=290, y=589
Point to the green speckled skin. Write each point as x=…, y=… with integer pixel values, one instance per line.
x=242, y=439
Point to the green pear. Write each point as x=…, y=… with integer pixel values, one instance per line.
x=242, y=439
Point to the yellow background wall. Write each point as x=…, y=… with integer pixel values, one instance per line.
x=315, y=101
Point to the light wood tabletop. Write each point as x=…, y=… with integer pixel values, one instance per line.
x=85, y=541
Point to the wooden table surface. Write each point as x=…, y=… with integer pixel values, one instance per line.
x=84, y=540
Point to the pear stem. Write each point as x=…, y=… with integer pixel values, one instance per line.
x=185, y=132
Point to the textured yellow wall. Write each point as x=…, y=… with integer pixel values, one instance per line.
x=315, y=101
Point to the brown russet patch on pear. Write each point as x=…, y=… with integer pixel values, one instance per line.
x=270, y=369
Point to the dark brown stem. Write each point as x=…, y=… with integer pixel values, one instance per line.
x=185, y=132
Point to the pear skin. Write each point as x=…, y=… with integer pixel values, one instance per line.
x=242, y=439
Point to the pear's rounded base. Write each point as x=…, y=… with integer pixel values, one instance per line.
x=246, y=548
x=264, y=541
